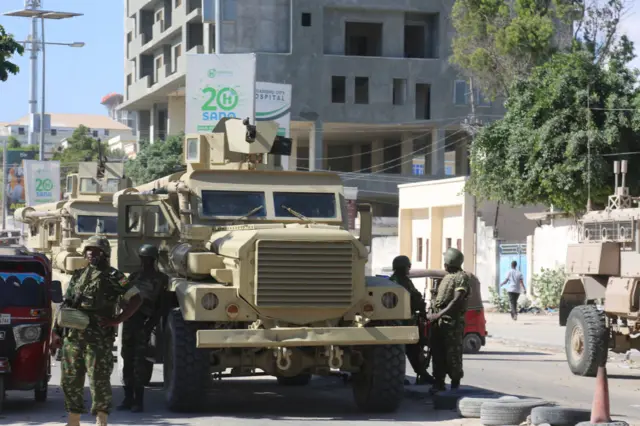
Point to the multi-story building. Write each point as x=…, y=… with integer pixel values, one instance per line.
x=374, y=95
x=62, y=126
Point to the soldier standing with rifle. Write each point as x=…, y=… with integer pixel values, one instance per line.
x=401, y=268
x=448, y=322
x=136, y=331
x=88, y=314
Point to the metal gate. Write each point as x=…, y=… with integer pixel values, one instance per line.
x=507, y=254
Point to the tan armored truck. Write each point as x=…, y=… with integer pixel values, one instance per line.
x=601, y=296
x=264, y=274
x=58, y=229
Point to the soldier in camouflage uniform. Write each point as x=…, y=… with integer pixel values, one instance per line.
x=401, y=268
x=94, y=290
x=448, y=322
x=136, y=331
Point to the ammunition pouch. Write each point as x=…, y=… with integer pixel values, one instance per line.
x=72, y=318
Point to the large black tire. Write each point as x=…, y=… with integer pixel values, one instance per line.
x=585, y=340
x=186, y=368
x=41, y=392
x=379, y=386
x=299, y=380
x=559, y=416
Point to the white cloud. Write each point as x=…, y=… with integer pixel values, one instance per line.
x=631, y=27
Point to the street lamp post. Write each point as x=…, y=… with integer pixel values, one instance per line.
x=34, y=13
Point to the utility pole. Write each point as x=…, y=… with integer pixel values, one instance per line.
x=33, y=58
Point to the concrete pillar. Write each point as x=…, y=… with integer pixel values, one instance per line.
x=462, y=156
x=377, y=156
x=468, y=233
x=153, y=120
x=207, y=29
x=406, y=159
x=528, y=280
x=437, y=151
x=405, y=229
x=435, y=251
x=176, y=115
x=356, y=160
x=351, y=197
x=316, y=146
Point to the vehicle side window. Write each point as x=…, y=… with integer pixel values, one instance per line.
x=157, y=222
x=134, y=219
x=88, y=185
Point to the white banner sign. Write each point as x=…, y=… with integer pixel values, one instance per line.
x=42, y=182
x=219, y=86
x=273, y=102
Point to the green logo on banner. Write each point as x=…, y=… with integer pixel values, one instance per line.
x=44, y=185
x=212, y=73
x=226, y=99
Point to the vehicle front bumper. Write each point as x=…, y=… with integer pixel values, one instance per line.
x=296, y=337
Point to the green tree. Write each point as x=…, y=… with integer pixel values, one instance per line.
x=498, y=42
x=8, y=48
x=569, y=107
x=156, y=160
x=81, y=146
x=13, y=142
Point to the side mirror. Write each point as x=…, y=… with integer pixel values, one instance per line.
x=366, y=224
x=56, y=291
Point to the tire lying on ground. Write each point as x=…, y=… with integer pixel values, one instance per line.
x=559, y=416
x=603, y=424
x=508, y=412
x=469, y=406
x=448, y=400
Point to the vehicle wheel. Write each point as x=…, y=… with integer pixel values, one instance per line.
x=508, y=412
x=299, y=380
x=603, y=424
x=559, y=416
x=41, y=392
x=471, y=343
x=585, y=340
x=2, y=393
x=186, y=368
x=379, y=386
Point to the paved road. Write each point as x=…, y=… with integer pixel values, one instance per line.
x=519, y=367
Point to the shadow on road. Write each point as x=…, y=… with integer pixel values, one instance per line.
x=326, y=399
x=510, y=353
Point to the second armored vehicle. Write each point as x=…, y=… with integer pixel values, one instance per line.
x=600, y=303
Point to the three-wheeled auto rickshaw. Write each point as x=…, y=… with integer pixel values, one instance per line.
x=26, y=296
x=475, y=328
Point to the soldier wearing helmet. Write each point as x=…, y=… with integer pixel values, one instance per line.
x=401, y=268
x=448, y=321
x=136, y=331
x=94, y=291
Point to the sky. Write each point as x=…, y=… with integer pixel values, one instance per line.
x=77, y=78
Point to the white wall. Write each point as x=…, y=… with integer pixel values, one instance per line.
x=550, y=244
x=486, y=263
x=383, y=250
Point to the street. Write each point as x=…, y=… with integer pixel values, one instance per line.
x=506, y=365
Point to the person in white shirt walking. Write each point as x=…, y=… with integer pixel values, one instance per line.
x=515, y=283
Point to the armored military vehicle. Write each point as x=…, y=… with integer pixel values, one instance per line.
x=58, y=229
x=265, y=277
x=600, y=300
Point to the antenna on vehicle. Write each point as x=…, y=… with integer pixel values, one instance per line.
x=620, y=198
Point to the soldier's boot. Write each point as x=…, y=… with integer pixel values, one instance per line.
x=425, y=379
x=128, y=399
x=101, y=418
x=455, y=384
x=138, y=404
x=438, y=386
x=74, y=419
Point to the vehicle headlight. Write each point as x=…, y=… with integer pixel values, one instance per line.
x=26, y=333
x=210, y=301
x=389, y=300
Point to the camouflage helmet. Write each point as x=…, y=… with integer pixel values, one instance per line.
x=148, y=250
x=401, y=262
x=100, y=243
x=453, y=257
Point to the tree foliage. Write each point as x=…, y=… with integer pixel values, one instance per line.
x=156, y=160
x=499, y=42
x=8, y=48
x=538, y=153
x=81, y=146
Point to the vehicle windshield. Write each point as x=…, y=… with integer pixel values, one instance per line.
x=22, y=290
x=101, y=224
x=233, y=203
x=309, y=204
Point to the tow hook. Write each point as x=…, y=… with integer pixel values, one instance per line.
x=335, y=357
x=283, y=358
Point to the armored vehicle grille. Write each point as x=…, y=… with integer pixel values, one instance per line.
x=614, y=230
x=304, y=273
